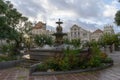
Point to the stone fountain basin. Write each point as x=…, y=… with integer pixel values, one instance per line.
x=43, y=54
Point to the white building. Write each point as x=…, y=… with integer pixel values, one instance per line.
x=77, y=32
x=109, y=29
x=96, y=34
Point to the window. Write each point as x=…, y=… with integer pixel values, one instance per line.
x=78, y=33
x=75, y=29
x=74, y=33
x=84, y=34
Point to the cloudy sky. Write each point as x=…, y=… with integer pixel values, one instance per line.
x=89, y=14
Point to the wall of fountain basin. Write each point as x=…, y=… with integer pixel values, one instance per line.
x=43, y=54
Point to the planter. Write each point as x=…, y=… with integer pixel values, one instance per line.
x=33, y=73
x=9, y=64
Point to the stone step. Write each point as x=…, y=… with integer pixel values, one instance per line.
x=28, y=63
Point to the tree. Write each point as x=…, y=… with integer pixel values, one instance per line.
x=66, y=41
x=117, y=18
x=41, y=40
x=11, y=22
x=76, y=43
x=109, y=39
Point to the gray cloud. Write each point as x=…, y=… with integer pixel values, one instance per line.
x=29, y=7
x=84, y=25
x=85, y=8
x=91, y=10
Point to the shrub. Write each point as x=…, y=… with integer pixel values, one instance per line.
x=107, y=60
x=4, y=49
x=64, y=64
x=73, y=59
x=10, y=50
x=103, y=55
x=41, y=67
x=53, y=63
x=94, y=61
x=4, y=58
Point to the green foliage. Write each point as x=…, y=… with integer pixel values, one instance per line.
x=109, y=39
x=64, y=64
x=4, y=58
x=117, y=42
x=4, y=49
x=41, y=67
x=76, y=43
x=53, y=63
x=93, y=44
x=12, y=25
x=66, y=41
x=95, y=59
x=74, y=51
x=41, y=40
x=8, y=50
x=107, y=60
x=117, y=18
x=73, y=59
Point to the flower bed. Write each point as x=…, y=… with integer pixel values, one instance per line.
x=33, y=71
x=72, y=61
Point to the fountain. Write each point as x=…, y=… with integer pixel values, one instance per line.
x=47, y=51
x=59, y=34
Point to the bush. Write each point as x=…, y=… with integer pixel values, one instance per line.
x=10, y=50
x=73, y=59
x=53, y=63
x=41, y=67
x=4, y=58
x=95, y=56
x=103, y=55
x=64, y=64
x=94, y=62
x=107, y=60
x=4, y=49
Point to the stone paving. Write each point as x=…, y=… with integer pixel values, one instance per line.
x=112, y=73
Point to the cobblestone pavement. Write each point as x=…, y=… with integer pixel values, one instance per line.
x=112, y=73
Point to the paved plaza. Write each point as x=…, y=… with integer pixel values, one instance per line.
x=112, y=73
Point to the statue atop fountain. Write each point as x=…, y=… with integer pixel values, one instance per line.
x=59, y=34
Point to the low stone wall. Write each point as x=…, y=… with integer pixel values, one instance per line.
x=33, y=73
x=42, y=54
x=9, y=64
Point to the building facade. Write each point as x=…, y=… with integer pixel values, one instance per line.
x=77, y=32
x=40, y=29
x=96, y=34
x=109, y=29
